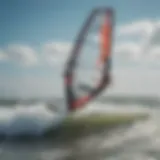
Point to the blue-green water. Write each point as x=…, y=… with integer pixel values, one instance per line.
x=140, y=141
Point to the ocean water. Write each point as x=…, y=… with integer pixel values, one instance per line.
x=140, y=141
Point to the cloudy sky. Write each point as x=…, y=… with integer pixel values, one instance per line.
x=36, y=37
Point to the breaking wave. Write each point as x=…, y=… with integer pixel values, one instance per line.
x=38, y=118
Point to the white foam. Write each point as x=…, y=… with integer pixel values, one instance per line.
x=135, y=142
x=138, y=140
x=26, y=119
x=35, y=119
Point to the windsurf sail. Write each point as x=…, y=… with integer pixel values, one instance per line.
x=88, y=69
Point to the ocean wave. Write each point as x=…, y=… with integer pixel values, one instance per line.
x=31, y=120
x=36, y=120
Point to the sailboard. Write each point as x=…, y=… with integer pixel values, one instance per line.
x=88, y=69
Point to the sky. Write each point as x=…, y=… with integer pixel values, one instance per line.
x=36, y=37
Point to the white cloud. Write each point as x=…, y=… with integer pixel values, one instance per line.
x=3, y=55
x=135, y=41
x=127, y=51
x=22, y=54
x=56, y=53
x=143, y=37
x=57, y=47
x=140, y=28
